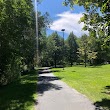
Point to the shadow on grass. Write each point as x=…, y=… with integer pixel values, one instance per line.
x=98, y=66
x=56, y=71
x=104, y=103
x=19, y=95
x=107, y=90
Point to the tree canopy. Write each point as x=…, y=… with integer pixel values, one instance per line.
x=97, y=16
x=17, y=39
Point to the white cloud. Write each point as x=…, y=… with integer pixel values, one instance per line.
x=69, y=21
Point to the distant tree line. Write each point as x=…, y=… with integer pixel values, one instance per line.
x=93, y=49
x=86, y=49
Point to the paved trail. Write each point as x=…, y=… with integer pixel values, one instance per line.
x=54, y=94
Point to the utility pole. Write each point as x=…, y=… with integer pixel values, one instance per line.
x=37, y=38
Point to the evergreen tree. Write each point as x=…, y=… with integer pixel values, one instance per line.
x=72, y=48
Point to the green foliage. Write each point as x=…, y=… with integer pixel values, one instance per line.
x=17, y=38
x=97, y=21
x=83, y=49
x=72, y=49
x=54, y=49
x=86, y=49
x=43, y=23
x=97, y=16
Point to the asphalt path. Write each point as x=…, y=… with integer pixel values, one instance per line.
x=53, y=94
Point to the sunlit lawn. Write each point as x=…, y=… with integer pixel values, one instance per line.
x=19, y=95
x=94, y=82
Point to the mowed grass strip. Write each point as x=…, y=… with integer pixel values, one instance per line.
x=19, y=95
x=94, y=82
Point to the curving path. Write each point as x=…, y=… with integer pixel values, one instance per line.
x=53, y=94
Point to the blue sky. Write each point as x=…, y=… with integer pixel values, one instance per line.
x=63, y=17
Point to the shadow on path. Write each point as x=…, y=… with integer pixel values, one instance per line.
x=45, y=82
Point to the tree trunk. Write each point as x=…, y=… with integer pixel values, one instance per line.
x=71, y=64
x=85, y=57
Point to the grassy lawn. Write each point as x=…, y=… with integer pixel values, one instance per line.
x=19, y=95
x=94, y=82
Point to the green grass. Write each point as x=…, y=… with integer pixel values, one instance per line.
x=94, y=82
x=19, y=95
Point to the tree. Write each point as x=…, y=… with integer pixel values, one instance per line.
x=83, y=49
x=17, y=39
x=92, y=18
x=96, y=20
x=54, y=49
x=92, y=49
x=86, y=49
x=72, y=48
x=43, y=23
